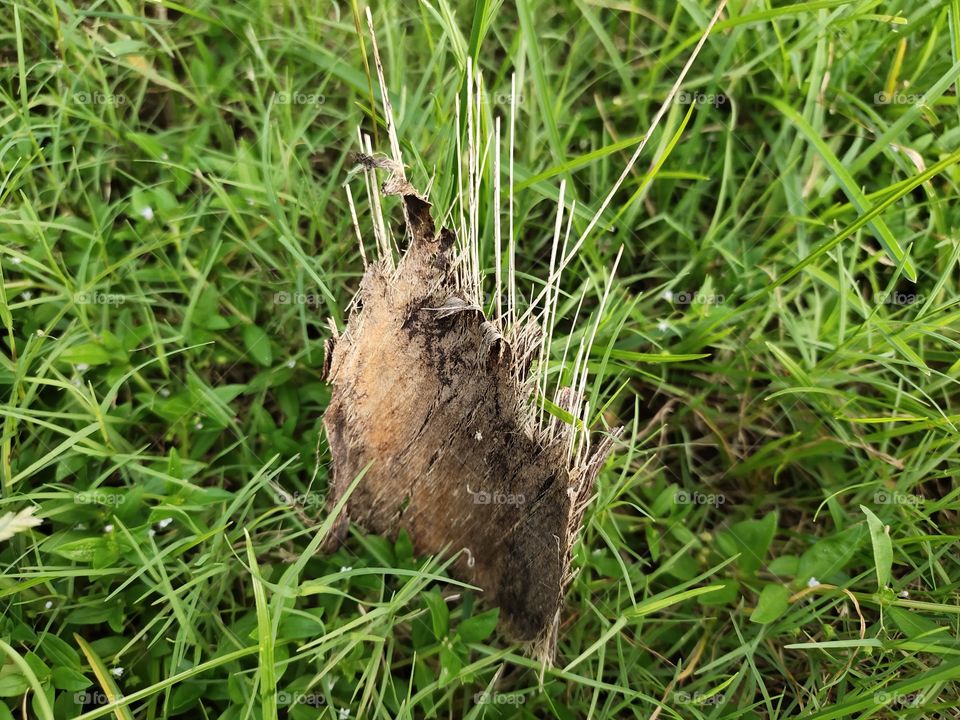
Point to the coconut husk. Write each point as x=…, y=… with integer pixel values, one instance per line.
x=431, y=396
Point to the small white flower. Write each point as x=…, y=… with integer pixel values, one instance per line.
x=164, y=392
x=108, y=528
x=164, y=523
x=48, y=604
x=17, y=261
x=343, y=714
x=147, y=213
x=81, y=367
x=668, y=295
x=39, y=332
x=904, y=594
x=812, y=582
x=26, y=294
x=479, y=435
x=198, y=425
x=291, y=363
x=116, y=672
x=346, y=568
x=663, y=326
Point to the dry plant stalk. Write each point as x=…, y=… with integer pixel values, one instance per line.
x=438, y=403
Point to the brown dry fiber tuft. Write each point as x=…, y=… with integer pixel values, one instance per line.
x=430, y=395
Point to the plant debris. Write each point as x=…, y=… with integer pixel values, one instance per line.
x=437, y=401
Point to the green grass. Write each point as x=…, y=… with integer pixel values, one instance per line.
x=175, y=235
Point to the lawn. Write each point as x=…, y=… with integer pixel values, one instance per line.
x=775, y=533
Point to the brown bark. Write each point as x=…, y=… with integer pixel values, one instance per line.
x=429, y=394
